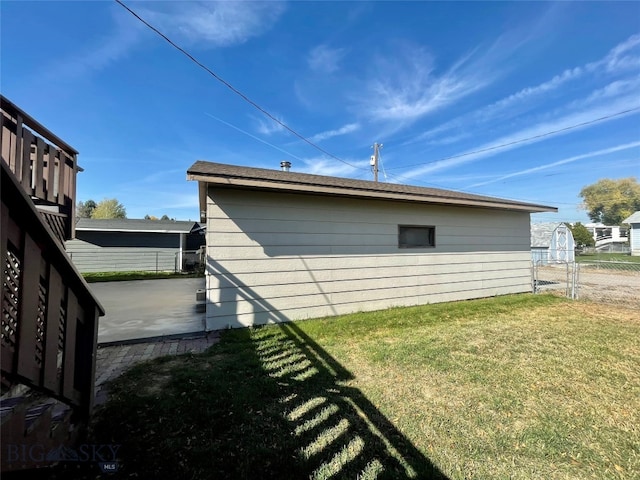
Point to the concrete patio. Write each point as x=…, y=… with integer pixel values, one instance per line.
x=142, y=309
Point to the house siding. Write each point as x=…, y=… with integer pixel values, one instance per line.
x=276, y=257
x=123, y=251
x=634, y=234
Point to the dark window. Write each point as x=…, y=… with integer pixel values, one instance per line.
x=416, y=236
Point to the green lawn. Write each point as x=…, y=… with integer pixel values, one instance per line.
x=92, y=277
x=516, y=387
x=607, y=257
x=610, y=261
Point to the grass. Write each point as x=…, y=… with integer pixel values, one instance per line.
x=515, y=387
x=607, y=257
x=93, y=277
x=611, y=261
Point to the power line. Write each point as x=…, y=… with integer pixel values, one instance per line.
x=384, y=172
x=254, y=137
x=400, y=178
x=231, y=87
x=322, y=150
x=515, y=142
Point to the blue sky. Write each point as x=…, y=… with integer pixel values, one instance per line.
x=428, y=80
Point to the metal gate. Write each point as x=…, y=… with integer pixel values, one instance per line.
x=559, y=277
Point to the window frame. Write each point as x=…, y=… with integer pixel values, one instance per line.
x=431, y=229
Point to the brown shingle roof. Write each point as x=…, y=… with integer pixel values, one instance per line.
x=232, y=176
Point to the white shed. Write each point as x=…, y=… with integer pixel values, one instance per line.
x=552, y=243
x=634, y=232
x=286, y=246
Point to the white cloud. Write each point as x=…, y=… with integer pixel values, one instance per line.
x=275, y=147
x=541, y=130
x=405, y=83
x=545, y=87
x=449, y=139
x=324, y=59
x=212, y=23
x=266, y=126
x=572, y=159
x=216, y=23
x=323, y=166
x=98, y=55
x=348, y=128
x=406, y=87
x=621, y=59
x=612, y=90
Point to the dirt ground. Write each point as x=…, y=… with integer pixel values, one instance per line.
x=607, y=286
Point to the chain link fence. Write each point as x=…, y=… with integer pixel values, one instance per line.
x=558, y=277
x=601, y=281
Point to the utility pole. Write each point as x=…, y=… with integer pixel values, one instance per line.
x=374, y=160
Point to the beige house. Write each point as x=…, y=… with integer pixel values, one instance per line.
x=286, y=246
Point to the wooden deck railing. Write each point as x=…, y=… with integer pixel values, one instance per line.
x=44, y=165
x=49, y=316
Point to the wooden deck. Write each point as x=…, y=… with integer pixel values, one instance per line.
x=49, y=315
x=44, y=165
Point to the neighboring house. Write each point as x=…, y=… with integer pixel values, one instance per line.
x=115, y=245
x=634, y=232
x=285, y=246
x=552, y=243
x=608, y=236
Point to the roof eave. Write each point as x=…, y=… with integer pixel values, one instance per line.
x=125, y=230
x=253, y=184
x=632, y=219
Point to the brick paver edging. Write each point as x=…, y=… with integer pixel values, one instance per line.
x=113, y=359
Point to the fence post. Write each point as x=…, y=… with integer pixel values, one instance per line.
x=156, y=262
x=533, y=277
